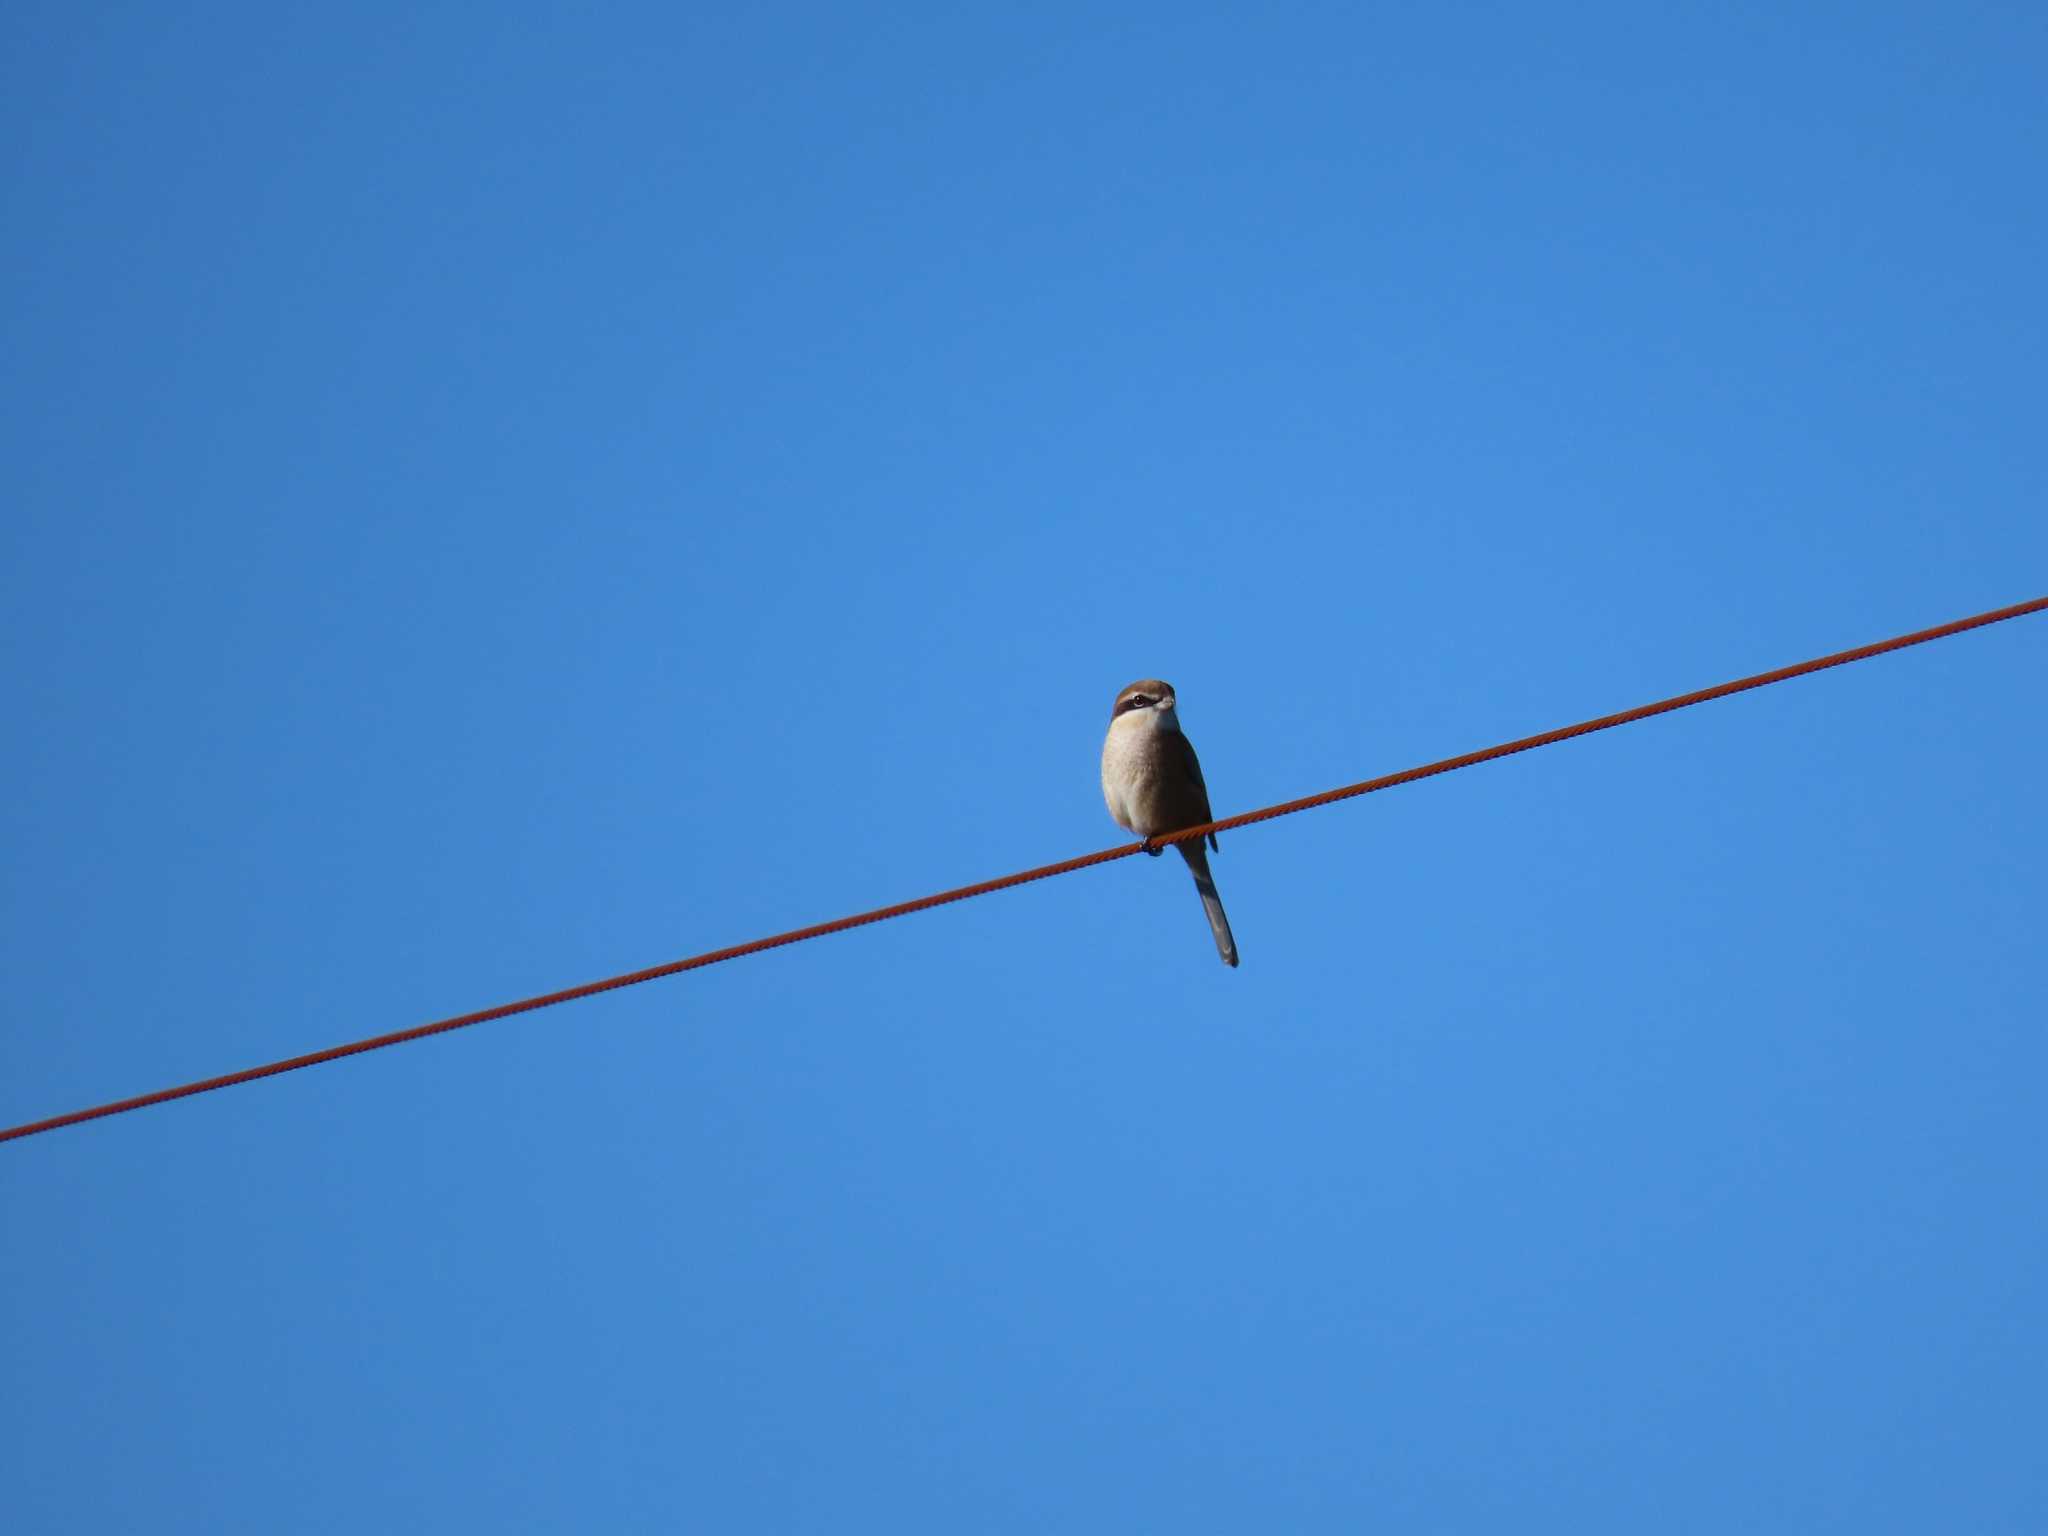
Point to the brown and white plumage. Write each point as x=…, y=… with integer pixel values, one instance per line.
x=1152, y=782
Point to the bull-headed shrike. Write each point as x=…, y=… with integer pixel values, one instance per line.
x=1153, y=784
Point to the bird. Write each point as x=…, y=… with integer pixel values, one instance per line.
x=1152, y=782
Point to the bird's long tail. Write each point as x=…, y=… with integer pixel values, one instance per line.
x=1198, y=865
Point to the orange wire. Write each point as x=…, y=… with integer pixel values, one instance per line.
x=1065, y=866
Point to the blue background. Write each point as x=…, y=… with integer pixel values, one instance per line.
x=498, y=496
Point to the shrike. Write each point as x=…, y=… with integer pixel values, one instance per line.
x=1153, y=784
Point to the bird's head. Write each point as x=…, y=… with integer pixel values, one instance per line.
x=1150, y=697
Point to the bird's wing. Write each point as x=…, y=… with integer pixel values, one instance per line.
x=1196, y=791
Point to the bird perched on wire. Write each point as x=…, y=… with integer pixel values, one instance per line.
x=1153, y=783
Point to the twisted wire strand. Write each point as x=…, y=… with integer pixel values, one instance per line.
x=1043, y=872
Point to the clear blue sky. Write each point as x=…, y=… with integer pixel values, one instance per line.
x=501, y=495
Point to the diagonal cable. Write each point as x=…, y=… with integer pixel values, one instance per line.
x=1045, y=871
